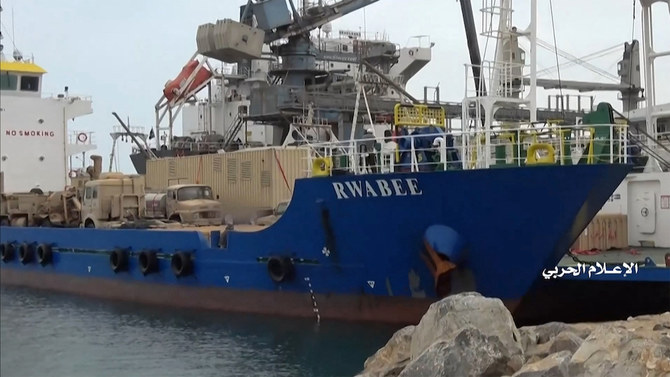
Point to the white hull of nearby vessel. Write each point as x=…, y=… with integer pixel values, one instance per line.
x=645, y=199
x=33, y=142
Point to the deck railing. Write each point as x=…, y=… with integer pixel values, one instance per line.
x=433, y=149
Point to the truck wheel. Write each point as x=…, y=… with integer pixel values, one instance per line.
x=89, y=224
x=176, y=218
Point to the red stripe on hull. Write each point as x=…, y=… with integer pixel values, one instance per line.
x=396, y=310
x=392, y=310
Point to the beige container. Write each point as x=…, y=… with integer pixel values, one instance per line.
x=247, y=179
x=603, y=233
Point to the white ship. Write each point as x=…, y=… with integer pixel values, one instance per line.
x=35, y=143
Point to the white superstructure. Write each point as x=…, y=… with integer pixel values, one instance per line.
x=35, y=144
x=231, y=86
x=645, y=197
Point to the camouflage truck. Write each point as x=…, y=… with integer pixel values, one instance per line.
x=187, y=204
x=35, y=208
x=20, y=209
x=110, y=199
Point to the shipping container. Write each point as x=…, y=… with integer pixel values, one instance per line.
x=607, y=231
x=253, y=179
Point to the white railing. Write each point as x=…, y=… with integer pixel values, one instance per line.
x=68, y=96
x=81, y=137
x=509, y=147
x=508, y=77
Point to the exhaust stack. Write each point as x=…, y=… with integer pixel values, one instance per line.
x=97, y=167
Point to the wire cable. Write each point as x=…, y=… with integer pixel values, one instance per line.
x=558, y=68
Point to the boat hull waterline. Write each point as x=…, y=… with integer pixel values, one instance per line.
x=356, y=245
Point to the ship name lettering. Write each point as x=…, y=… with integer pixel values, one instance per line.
x=30, y=133
x=377, y=188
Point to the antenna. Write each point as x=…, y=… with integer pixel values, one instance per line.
x=17, y=54
x=2, y=57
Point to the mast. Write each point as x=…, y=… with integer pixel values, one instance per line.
x=650, y=78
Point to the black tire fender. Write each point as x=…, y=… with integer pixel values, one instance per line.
x=118, y=260
x=181, y=264
x=7, y=251
x=26, y=253
x=44, y=254
x=148, y=262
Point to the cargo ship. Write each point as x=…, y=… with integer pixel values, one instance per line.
x=377, y=228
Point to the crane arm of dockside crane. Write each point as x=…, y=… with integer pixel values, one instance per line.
x=473, y=45
x=311, y=18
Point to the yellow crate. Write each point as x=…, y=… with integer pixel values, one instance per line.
x=418, y=115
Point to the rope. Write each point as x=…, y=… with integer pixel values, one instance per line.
x=558, y=68
x=199, y=172
x=282, y=172
x=574, y=258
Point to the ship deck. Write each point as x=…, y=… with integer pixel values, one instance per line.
x=617, y=256
x=206, y=230
x=630, y=264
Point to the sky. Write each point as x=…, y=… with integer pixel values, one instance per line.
x=123, y=52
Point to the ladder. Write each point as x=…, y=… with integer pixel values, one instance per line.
x=232, y=131
x=636, y=140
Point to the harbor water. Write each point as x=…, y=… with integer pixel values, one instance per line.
x=46, y=334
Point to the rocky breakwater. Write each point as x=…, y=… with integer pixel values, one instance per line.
x=470, y=335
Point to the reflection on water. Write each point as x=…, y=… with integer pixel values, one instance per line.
x=46, y=334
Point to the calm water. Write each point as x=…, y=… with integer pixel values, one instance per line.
x=45, y=334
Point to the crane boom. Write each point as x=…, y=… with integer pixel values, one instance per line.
x=233, y=41
x=473, y=45
x=316, y=17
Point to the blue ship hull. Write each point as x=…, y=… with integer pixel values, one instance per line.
x=357, y=245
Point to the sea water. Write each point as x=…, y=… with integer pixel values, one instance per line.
x=46, y=334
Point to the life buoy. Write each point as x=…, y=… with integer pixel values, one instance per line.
x=532, y=158
x=118, y=260
x=82, y=137
x=321, y=167
x=7, y=252
x=281, y=269
x=25, y=253
x=148, y=262
x=72, y=174
x=181, y=264
x=43, y=252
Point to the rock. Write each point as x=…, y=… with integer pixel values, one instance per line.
x=546, y=332
x=529, y=337
x=642, y=357
x=538, y=351
x=599, y=351
x=471, y=353
x=555, y=365
x=565, y=341
x=470, y=335
x=447, y=317
x=613, y=350
x=391, y=359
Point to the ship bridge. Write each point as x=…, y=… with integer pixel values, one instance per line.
x=21, y=78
